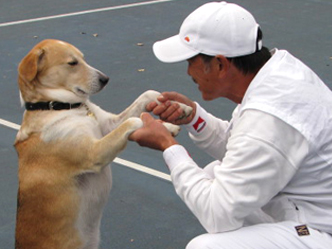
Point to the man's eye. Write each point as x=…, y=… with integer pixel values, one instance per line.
x=73, y=63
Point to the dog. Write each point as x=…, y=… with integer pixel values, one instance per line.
x=65, y=145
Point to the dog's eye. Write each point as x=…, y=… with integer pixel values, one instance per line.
x=73, y=63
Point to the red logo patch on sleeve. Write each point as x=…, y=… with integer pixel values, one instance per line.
x=199, y=125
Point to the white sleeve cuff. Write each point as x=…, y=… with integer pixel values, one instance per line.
x=176, y=155
x=199, y=122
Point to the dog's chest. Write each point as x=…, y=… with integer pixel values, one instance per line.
x=74, y=123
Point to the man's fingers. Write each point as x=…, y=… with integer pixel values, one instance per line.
x=172, y=96
x=168, y=108
x=173, y=113
x=149, y=107
x=162, y=98
x=161, y=108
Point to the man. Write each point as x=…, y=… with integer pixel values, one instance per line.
x=271, y=184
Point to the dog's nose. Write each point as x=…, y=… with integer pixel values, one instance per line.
x=103, y=79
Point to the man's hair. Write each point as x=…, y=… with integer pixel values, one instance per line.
x=247, y=64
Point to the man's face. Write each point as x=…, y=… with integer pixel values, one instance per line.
x=206, y=76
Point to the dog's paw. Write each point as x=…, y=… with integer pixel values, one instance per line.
x=135, y=123
x=173, y=129
x=152, y=95
x=131, y=125
x=187, y=110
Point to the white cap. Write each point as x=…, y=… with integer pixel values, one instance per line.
x=212, y=29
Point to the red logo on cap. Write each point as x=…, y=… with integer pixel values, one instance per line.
x=187, y=38
x=199, y=125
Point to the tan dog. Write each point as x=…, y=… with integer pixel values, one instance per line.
x=64, y=146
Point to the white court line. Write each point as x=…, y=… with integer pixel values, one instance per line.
x=9, y=124
x=142, y=168
x=117, y=160
x=82, y=12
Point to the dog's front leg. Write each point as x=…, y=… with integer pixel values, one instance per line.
x=139, y=106
x=106, y=149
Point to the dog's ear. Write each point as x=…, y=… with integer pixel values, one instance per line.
x=30, y=64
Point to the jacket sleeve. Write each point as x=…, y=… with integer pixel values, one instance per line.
x=258, y=164
x=209, y=133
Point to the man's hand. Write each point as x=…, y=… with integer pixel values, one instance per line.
x=171, y=112
x=153, y=134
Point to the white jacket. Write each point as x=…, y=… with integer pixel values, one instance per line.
x=274, y=158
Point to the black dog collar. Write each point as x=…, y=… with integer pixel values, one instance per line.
x=52, y=105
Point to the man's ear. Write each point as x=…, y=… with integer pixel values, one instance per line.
x=223, y=63
x=30, y=64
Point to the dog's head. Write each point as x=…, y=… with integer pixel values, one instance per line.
x=56, y=71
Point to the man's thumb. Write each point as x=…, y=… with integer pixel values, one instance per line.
x=146, y=117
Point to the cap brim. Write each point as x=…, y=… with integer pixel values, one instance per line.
x=172, y=50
